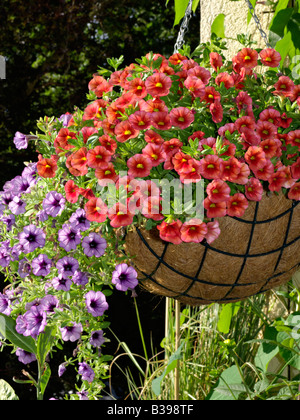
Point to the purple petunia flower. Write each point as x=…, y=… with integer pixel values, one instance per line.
x=21, y=326
x=54, y=203
x=42, y=216
x=41, y=265
x=69, y=238
x=32, y=238
x=25, y=357
x=9, y=220
x=30, y=171
x=24, y=268
x=49, y=303
x=6, y=197
x=97, y=338
x=35, y=321
x=86, y=372
x=60, y=283
x=65, y=119
x=4, y=255
x=67, y=266
x=83, y=395
x=80, y=278
x=96, y=303
x=94, y=245
x=61, y=369
x=20, y=141
x=17, y=206
x=71, y=333
x=79, y=221
x=22, y=185
x=124, y=277
x=5, y=305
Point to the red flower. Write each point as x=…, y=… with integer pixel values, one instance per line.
x=285, y=122
x=96, y=210
x=237, y=205
x=266, y=130
x=270, y=57
x=293, y=138
x=152, y=208
x=139, y=166
x=155, y=153
x=154, y=105
x=98, y=158
x=120, y=216
x=181, y=162
x=211, y=167
x=93, y=111
x=211, y=95
x=88, y=132
x=226, y=79
x=193, y=231
x=243, y=101
x=218, y=191
x=72, y=191
x=75, y=171
x=125, y=131
x=140, y=120
x=231, y=169
x=284, y=87
x=294, y=192
x=181, y=117
x=201, y=73
x=170, y=232
x=216, y=110
x=99, y=85
x=106, y=176
x=250, y=137
x=289, y=181
x=271, y=147
x=158, y=85
x=213, y=231
x=255, y=157
x=137, y=87
x=254, y=190
x=295, y=169
x=195, y=86
x=152, y=136
x=243, y=175
x=247, y=58
x=271, y=115
x=46, y=168
x=265, y=172
x=191, y=173
x=61, y=142
x=216, y=61
x=214, y=209
x=161, y=120
x=276, y=181
x=244, y=122
x=109, y=144
x=176, y=58
x=79, y=160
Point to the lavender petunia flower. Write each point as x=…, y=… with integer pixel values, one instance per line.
x=124, y=277
x=69, y=238
x=86, y=372
x=32, y=238
x=49, y=303
x=60, y=283
x=61, y=369
x=22, y=185
x=97, y=338
x=21, y=326
x=41, y=265
x=71, y=333
x=20, y=141
x=83, y=395
x=9, y=220
x=80, y=278
x=96, y=303
x=24, y=268
x=30, y=171
x=5, y=305
x=79, y=221
x=6, y=197
x=17, y=206
x=4, y=254
x=94, y=245
x=67, y=266
x=36, y=321
x=25, y=357
x=42, y=216
x=65, y=119
x=54, y=203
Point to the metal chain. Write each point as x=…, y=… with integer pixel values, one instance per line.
x=258, y=24
x=184, y=27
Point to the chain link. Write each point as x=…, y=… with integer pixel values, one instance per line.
x=184, y=27
x=258, y=24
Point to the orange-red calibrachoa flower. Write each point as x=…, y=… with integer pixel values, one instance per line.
x=225, y=78
x=96, y=210
x=271, y=115
x=244, y=101
x=152, y=136
x=237, y=205
x=211, y=95
x=244, y=122
x=181, y=161
x=213, y=231
x=98, y=158
x=137, y=87
x=161, y=120
x=247, y=58
x=255, y=157
x=152, y=208
x=193, y=231
x=254, y=190
x=176, y=58
x=99, y=85
x=216, y=61
x=61, y=142
x=293, y=138
x=153, y=105
x=109, y=143
x=106, y=176
x=139, y=166
x=93, y=111
x=265, y=172
x=243, y=176
x=181, y=117
x=211, y=167
x=140, y=120
x=201, y=73
x=79, y=160
x=125, y=131
x=72, y=191
x=295, y=169
x=250, y=137
x=294, y=192
x=170, y=232
x=195, y=86
x=120, y=216
x=276, y=181
x=266, y=130
x=269, y=57
x=155, y=153
x=46, y=168
x=216, y=111
x=231, y=169
x=214, y=210
x=158, y=84
x=218, y=191
x=271, y=147
x=284, y=87
x=190, y=173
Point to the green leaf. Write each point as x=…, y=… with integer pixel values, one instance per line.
x=267, y=350
x=45, y=343
x=228, y=387
x=8, y=331
x=6, y=392
x=284, y=46
x=156, y=383
x=293, y=27
x=218, y=26
x=253, y=2
x=225, y=318
x=180, y=9
x=45, y=378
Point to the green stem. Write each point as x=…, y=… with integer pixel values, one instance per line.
x=141, y=329
x=39, y=393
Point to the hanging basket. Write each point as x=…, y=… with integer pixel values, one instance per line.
x=251, y=256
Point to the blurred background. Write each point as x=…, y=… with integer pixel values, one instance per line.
x=52, y=48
